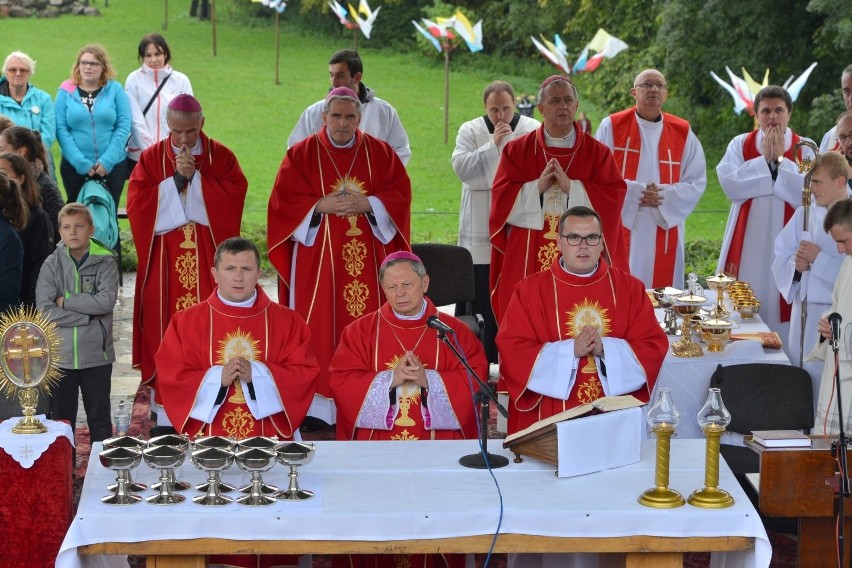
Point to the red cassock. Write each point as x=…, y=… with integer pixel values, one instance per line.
x=552, y=306
x=209, y=334
x=517, y=252
x=335, y=281
x=375, y=343
x=174, y=268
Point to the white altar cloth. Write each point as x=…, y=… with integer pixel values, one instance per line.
x=402, y=490
x=27, y=448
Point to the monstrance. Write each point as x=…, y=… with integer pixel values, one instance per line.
x=29, y=362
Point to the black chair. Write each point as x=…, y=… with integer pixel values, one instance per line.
x=450, y=270
x=763, y=396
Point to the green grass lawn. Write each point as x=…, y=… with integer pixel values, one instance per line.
x=252, y=115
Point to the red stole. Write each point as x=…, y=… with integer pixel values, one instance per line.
x=625, y=132
x=735, y=249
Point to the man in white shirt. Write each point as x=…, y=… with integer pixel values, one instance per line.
x=378, y=117
x=759, y=176
x=662, y=162
x=479, y=145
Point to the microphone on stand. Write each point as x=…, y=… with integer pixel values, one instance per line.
x=435, y=323
x=834, y=321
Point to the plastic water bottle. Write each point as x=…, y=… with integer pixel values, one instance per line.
x=122, y=420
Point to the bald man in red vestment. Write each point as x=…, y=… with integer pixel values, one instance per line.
x=539, y=176
x=185, y=196
x=578, y=331
x=340, y=204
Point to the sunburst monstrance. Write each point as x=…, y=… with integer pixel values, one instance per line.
x=29, y=362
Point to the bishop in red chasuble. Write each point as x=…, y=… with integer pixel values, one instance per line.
x=340, y=204
x=177, y=219
x=578, y=331
x=540, y=175
x=394, y=379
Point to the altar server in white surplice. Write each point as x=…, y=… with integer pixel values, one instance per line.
x=663, y=164
x=806, y=263
x=759, y=176
x=838, y=221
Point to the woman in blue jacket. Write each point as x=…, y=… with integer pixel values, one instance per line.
x=92, y=124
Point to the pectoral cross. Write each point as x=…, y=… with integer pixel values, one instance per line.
x=626, y=149
x=670, y=164
x=27, y=350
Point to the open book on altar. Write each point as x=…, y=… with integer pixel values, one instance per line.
x=592, y=437
x=604, y=404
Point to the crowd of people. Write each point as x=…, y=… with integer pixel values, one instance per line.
x=567, y=230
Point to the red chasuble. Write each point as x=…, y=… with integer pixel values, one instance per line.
x=335, y=281
x=627, y=146
x=735, y=250
x=516, y=252
x=553, y=306
x=209, y=334
x=174, y=268
x=375, y=343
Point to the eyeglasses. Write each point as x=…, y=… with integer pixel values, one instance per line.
x=648, y=85
x=574, y=239
x=89, y=63
x=844, y=138
x=13, y=70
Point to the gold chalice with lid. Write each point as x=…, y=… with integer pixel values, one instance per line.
x=719, y=283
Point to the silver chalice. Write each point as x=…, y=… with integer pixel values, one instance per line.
x=264, y=443
x=256, y=461
x=176, y=441
x=295, y=454
x=223, y=443
x=121, y=461
x=213, y=461
x=126, y=442
x=165, y=459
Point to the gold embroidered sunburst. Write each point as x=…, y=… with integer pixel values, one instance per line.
x=29, y=361
x=585, y=314
x=349, y=184
x=238, y=343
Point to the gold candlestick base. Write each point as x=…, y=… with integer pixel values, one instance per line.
x=661, y=498
x=711, y=498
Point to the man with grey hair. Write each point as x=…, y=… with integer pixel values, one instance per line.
x=340, y=204
x=830, y=141
x=185, y=196
x=378, y=117
x=541, y=175
x=478, y=147
x=25, y=104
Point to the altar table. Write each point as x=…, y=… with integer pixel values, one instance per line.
x=395, y=497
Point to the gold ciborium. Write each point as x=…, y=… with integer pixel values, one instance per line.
x=713, y=419
x=663, y=418
x=716, y=333
x=688, y=307
x=665, y=299
x=748, y=309
x=719, y=283
x=29, y=362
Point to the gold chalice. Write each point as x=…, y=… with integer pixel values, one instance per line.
x=719, y=283
x=688, y=307
x=716, y=333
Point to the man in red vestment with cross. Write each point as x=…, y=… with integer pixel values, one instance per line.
x=663, y=166
x=237, y=364
x=578, y=331
x=186, y=195
x=394, y=379
x=540, y=175
x=758, y=174
x=340, y=204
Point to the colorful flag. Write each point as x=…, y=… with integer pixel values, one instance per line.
x=341, y=13
x=605, y=45
x=365, y=23
x=279, y=5
x=554, y=51
x=744, y=89
x=472, y=35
